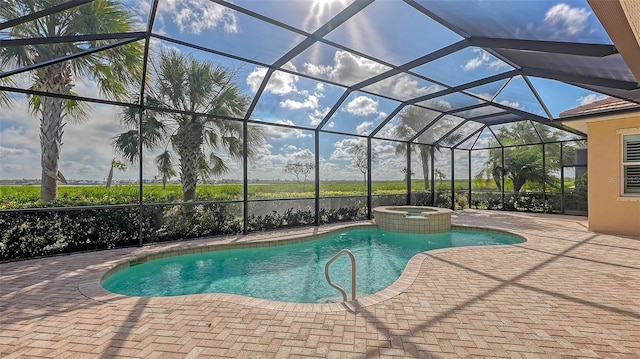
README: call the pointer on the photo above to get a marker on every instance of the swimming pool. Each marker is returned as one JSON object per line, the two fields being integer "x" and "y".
{"x": 292, "y": 272}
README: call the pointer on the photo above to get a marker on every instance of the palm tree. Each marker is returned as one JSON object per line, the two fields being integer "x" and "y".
{"x": 114, "y": 164}
{"x": 412, "y": 120}
{"x": 523, "y": 163}
{"x": 165, "y": 168}
{"x": 112, "y": 69}
{"x": 199, "y": 136}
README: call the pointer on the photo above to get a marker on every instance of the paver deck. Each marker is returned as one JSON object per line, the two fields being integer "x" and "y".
{"x": 566, "y": 292}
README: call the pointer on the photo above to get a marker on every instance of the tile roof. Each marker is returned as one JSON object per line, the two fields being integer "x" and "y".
{"x": 606, "y": 104}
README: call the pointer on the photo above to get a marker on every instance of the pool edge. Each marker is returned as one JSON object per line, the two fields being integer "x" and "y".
{"x": 92, "y": 287}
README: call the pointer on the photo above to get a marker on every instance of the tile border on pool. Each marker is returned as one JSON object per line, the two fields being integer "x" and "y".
{"x": 92, "y": 286}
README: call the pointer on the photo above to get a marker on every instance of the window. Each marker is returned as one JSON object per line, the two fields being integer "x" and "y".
{"x": 631, "y": 163}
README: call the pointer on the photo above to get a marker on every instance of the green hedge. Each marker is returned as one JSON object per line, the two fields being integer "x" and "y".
{"x": 32, "y": 234}
{"x": 27, "y": 234}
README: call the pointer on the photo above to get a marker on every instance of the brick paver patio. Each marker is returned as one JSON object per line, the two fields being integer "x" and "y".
{"x": 566, "y": 292}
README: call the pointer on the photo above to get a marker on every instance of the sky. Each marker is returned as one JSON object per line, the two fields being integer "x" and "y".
{"x": 292, "y": 99}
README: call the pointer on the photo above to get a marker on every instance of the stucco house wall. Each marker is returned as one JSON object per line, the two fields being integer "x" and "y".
{"x": 609, "y": 210}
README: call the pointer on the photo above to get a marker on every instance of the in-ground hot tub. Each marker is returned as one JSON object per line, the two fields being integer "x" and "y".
{"x": 413, "y": 219}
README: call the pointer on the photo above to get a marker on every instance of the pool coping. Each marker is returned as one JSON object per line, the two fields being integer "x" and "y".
{"x": 91, "y": 286}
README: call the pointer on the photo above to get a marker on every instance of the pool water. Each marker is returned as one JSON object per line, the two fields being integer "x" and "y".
{"x": 293, "y": 272}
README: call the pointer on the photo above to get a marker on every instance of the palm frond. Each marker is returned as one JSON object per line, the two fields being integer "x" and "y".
{"x": 127, "y": 145}
{"x": 218, "y": 165}
{"x": 164, "y": 163}
{"x": 205, "y": 171}
{"x": 130, "y": 117}
{"x": 256, "y": 139}
{"x": 5, "y": 99}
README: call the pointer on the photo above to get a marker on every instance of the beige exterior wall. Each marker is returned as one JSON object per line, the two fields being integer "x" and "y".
{"x": 609, "y": 211}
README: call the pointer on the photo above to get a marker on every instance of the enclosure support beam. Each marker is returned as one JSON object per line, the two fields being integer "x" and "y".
{"x": 369, "y": 178}
{"x": 408, "y": 174}
{"x": 453, "y": 180}
{"x": 433, "y": 177}
{"x": 581, "y": 79}
{"x": 554, "y": 47}
{"x": 317, "y": 178}
{"x": 544, "y": 177}
{"x": 502, "y": 177}
{"x": 469, "y": 204}
{"x": 245, "y": 178}
{"x": 140, "y": 176}
{"x": 143, "y": 83}
{"x": 46, "y": 12}
{"x": 67, "y": 57}
{"x": 561, "y": 179}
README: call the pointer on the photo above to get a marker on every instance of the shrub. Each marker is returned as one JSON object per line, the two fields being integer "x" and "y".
{"x": 30, "y": 234}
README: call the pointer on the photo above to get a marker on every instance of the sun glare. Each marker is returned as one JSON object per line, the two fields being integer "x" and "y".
{"x": 317, "y": 14}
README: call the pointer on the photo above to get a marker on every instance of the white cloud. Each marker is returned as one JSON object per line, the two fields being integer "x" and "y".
{"x": 484, "y": 95}
{"x": 194, "y": 16}
{"x": 473, "y": 64}
{"x": 277, "y": 132}
{"x": 347, "y": 68}
{"x": 402, "y": 87}
{"x": 513, "y": 104}
{"x": 569, "y": 20}
{"x": 316, "y": 70}
{"x": 483, "y": 58}
{"x": 87, "y": 147}
{"x": 311, "y": 103}
{"x": 592, "y": 97}
{"x": 389, "y": 130}
{"x": 387, "y": 167}
{"x": 362, "y": 106}
{"x": 289, "y": 66}
{"x": 385, "y": 150}
{"x": 264, "y": 149}
{"x": 14, "y": 153}
{"x": 21, "y": 137}
{"x": 364, "y": 128}
{"x": 280, "y": 83}
{"x": 342, "y": 149}
{"x": 303, "y": 155}
{"x": 268, "y": 165}
{"x": 318, "y": 115}
{"x": 351, "y": 69}
{"x": 328, "y": 167}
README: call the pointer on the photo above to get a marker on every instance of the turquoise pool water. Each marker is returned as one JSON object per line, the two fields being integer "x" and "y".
{"x": 293, "y": 272}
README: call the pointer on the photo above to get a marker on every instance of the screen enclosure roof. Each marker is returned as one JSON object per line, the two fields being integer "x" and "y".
{"x": 463, "y": 69}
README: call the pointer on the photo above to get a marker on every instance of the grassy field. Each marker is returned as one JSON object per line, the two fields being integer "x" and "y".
{"x": 28, "y": 196}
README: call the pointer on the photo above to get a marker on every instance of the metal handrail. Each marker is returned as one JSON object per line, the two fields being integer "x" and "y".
{"x": 353, "y": 274}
